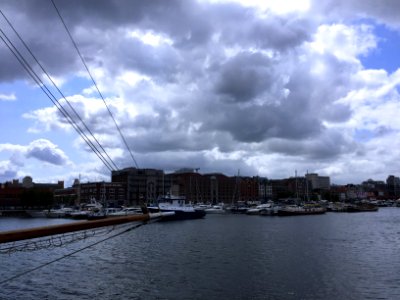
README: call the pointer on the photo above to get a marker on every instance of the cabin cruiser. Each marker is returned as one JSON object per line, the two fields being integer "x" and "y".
{"x": 215, "y": 209}
{"x": 126, "y": 211}
{"x": 176, "y": 204}
{"x": 91, "y": 208}
{"x": 257, "y": 210}
{"x": 63, "y": 212}
{"x": 297, "y": 210}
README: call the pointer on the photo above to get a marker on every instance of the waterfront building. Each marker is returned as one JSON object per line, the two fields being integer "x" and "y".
{"x": 318, "y": 182}
{"x": 393, "y": 186}
{"x": 375, "y": 189}
{"x": 27, "y": 194}
{"x": 142, "y": 185}
{"x": 111, "y": 194}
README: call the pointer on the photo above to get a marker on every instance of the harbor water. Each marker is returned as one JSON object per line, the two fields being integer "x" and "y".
{"x": 330, "y": 256}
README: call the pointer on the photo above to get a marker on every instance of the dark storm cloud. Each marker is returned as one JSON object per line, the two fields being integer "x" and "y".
{"x": 171, "y": 161}
{"x": 329, "y": 145}
{"x": 244, "y": 76}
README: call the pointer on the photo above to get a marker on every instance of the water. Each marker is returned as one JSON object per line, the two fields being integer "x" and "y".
{"x": 331, "y": 256}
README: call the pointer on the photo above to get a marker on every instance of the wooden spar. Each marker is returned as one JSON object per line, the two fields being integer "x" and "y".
{"x": 31, "y": 233}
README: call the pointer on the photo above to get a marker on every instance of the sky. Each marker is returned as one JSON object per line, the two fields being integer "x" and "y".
{"x": 260, "y": 88}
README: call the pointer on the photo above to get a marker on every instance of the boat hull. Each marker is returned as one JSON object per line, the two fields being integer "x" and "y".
{"x": 301, "y": 212}
{"x": 180, "y": 214}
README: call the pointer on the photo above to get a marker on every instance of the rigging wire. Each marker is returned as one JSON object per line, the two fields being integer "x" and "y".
{"x": 111, "y": 166}
{"x": 48, "y": 93}
{"x": 94, "y": 82}
{"x": 69, "y": 254}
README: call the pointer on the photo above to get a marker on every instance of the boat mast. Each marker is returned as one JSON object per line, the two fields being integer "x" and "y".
{"x": 308, "y": 196}
{"x": 297, "y": 188}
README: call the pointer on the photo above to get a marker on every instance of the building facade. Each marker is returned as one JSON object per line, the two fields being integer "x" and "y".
{"x": 319, "y": 182}
{"x": 28, "y": 194}
{"x": 142, "y": 185}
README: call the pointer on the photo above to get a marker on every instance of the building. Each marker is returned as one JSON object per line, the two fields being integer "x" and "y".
{"x": 28, "y": 194}
{"x": 142, "y": 185}
{"x": 319, "y": 182}
{"x": 375, "y": 189}
{"x": 110, "y": 194}
{"x": 393, "y": 186}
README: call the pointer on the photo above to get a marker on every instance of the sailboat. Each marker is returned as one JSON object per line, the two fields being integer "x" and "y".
{"x": 301, "y": 208}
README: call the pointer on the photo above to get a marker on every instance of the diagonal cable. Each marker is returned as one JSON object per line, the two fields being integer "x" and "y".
{"x": 94, "y": 82}
{"x": 48, "y": 93}
{"x": 63, "y": 96}
{"x": 52, "y": 98}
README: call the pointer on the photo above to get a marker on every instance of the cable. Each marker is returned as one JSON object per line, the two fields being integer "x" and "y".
{"x": 52, "y": 98}
{"x": 69, "y": 254}
{"x": 63, "y": 96}
{"x": 111, "y": 166}
{"x": 87, "y": 69}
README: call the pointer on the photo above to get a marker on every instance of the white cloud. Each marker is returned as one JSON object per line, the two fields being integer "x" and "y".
{"x": 264, "y": 86}
{"x": 8, "y": 97}
{"x": 343, "y": 41}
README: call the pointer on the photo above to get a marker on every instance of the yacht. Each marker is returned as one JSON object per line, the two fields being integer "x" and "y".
{"x": 126, "y": 211}
{"x": 176, "y": 204}
{"x": 299, "y": 210}
{"x": 215, "y": 209}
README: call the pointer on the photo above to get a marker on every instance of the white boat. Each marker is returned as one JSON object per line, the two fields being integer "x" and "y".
{"x": 126, "y": 211}
{"x": 257, "y": 210}
{"x": 215, "y": 209}
{"x": 271, "y": 210}
{"x": 63, "y": 212}
{"x": 88, "y": 209}
{"x": 298, "y": 210}
{"x": 182, "y": 211}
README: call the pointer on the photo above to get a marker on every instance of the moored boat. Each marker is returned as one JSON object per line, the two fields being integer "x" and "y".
{"x": 91, "y": 208}
{"x": 126, "y": 211}
{"x": 63, "y": 212}
{"x": 257, "y": 210}
{"x": 215, "y": 209}
{"x": 299, "y": 210}
{"x": 182, "y": 211}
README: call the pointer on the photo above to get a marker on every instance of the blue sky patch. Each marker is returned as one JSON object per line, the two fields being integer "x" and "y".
{"x": 387, "y": 54}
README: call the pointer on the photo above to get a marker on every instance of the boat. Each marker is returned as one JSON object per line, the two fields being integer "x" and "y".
{"x": 63, "y": 212}
{"x": 176, "y": 204}
{"x": 126, "y": 211}
{"x": 257, "y": 210}
{"x": 238, "y": 208}
{"x": 88, "y": 209}
{"x": 271, "y": 210}
{"x": 299, "y": 210}
{"x": 215, "y": 209}
{"x": 362, "y": 207}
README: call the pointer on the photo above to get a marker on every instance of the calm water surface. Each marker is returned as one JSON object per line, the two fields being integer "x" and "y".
{"x": 331, "y": 256}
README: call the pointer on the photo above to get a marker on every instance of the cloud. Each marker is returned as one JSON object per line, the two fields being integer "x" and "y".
{"x": 385, "y": 11}
{"x": 216, "y": 84}
{"x": 7, "y": 97}
{"x": 46, "y": 151}
{"x": 7, "y": 171}
{"x": 41, "y": 149}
